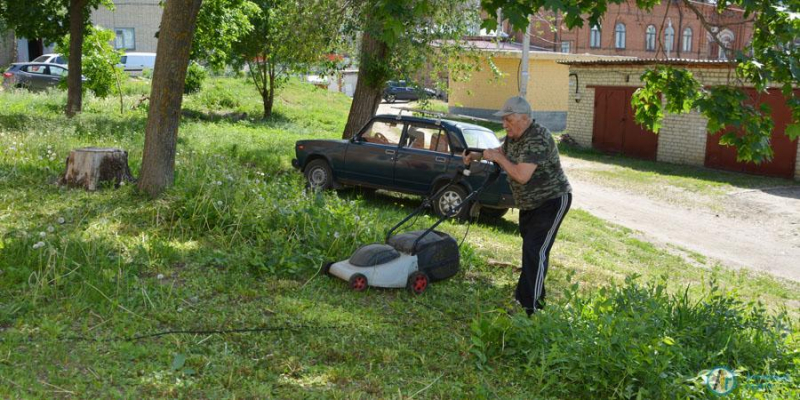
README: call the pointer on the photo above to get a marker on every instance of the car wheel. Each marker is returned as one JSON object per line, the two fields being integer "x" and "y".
{"x": 391, "y": 98}
{"x": 358, "y": 282}
{"x": 493, "y": 213}
{"x": 451, "y": 197}
{"x": 417, "y": 282}
{"x": 326, "y": 268}
{"x": 319, "y": 175}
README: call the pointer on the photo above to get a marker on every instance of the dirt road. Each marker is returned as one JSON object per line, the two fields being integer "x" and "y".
{"x": 755, "y": 229}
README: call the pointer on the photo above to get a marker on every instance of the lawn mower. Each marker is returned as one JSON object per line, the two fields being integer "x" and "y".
{"x": 411, "y": 259}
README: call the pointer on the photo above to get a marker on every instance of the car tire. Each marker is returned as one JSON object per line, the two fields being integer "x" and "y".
{"x": 493, "y": 213}
{"x": 417, "y": 282}
{"x": 358, "y": 282}
{"x": 319, "y": 175}
{"x": 449, "y": 198}
{"x": 390, "y": 98}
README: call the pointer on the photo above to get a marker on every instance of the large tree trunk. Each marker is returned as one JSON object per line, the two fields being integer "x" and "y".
{"x": 166, "y": 95}
{"x": 367, "y": 96}
{"x": 74, "y": 83}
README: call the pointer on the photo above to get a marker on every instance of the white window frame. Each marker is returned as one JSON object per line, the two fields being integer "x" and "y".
{"x": 566, "y": 46}
{"x": 686, "y": 41}
{"x": 650, "y": 38}
{"x": 120, "y": 42}
{"x": 619, "y": 36}
{"x": 595, "y": 35}
{"x": 669, "y": 38}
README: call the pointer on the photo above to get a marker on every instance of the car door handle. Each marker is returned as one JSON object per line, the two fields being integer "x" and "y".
{"x": 440, "y": 159}
{"x": 390, "y": 152}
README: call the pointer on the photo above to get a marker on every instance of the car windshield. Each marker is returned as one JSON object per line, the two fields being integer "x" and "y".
{"x": 480, "y": 139}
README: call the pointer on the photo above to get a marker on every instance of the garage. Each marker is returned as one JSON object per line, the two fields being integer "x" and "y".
{"x": 615, "y": 129}
{"x": 785, "y": 150}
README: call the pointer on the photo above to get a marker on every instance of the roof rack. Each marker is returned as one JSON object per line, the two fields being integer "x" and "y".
{"x": 439, "y": 115}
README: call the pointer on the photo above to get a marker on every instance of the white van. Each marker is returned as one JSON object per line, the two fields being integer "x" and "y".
{"x": 135, "y": 63}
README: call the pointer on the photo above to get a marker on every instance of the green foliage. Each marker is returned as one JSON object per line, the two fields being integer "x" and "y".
{"x": 286, "y": 38}
{"x": 99, "y": 61}
{"x": 771, "y": 60}
{"x": 195, "y": 76}
{"x": 638, "y": 341}
{"x": 220, "y": 24}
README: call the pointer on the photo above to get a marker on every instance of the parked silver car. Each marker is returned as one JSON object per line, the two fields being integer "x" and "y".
{"x": 34, "y": 76}
{"x": 51, "y": 58}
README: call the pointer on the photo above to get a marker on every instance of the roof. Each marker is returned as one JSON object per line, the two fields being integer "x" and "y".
{"x": 436, "y": 121}
{"x": 650, "y": 61}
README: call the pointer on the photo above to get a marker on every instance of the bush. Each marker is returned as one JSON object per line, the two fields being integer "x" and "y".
{"x": 219, "y": 97}
{"x": 638, "y": 341}
{"x": 98, "y": 61}
{"x": 195, "y": 76}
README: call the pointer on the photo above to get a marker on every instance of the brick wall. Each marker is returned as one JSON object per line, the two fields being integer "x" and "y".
{"x": 683, "y": 137}
{"x": 144, "y": 16}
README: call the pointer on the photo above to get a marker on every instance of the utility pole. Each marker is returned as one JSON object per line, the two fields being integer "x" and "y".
{"x": 526, "y": 46}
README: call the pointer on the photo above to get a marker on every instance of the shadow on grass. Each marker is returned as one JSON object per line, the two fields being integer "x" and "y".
{"x": 683, "y": 171}
{"x": 86, "y": 126}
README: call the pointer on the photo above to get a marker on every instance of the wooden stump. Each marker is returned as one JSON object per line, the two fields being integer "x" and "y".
{"x": 90, "y": 166}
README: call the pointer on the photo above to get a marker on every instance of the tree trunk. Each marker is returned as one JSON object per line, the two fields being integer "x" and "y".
{"x": 166, "y": 95}
{"x": 367, "y": 96}
{"x": 88, "y": 167}
{"x": 74, "y": 83}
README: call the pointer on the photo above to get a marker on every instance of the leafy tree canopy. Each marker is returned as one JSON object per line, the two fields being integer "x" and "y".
{"x": 47, "y": 20}
{"x": 772, "y": 60}
{"x": 220, "y": 24}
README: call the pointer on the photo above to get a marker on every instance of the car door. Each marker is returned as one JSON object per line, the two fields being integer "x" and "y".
{"x": 424, "y": 155}
{"x": 370, "y": 157}
{"x": 53, "y": 75}
{"x": 34, "y": 77}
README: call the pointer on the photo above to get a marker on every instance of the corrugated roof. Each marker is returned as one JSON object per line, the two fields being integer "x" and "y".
{"x": 649, "y": 61}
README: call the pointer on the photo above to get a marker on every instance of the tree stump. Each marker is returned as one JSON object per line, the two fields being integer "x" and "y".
{"x": 90, "y": 166}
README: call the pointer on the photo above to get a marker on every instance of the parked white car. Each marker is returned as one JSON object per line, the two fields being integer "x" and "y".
{"x": 51, "y": 59}
{"x": 135, "y": 63}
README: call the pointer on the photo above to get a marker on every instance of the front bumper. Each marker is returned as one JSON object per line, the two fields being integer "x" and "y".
{"x": 295, "y": 163}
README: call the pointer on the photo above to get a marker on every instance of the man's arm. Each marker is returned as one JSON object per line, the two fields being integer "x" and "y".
{"x": 520, "y": 173}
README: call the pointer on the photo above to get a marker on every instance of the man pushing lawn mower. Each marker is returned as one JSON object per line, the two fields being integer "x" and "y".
{"x": 541, "y": 191}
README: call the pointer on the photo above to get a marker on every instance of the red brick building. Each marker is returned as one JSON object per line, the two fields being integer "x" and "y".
{"x": 670, "y": 30}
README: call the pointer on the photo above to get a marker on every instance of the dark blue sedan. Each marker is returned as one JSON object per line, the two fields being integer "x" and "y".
{"x": 409, "y": 155}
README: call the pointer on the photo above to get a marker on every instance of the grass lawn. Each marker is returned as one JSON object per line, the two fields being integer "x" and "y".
{"x": 212, "y": 290}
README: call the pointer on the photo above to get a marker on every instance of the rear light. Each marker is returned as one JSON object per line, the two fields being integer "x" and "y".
{"x": 7, "y": 74}
{"x": 301, "y": 147}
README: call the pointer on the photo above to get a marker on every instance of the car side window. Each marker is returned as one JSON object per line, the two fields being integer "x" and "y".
{"x": 426, "y": 138}
{"x": 34, "y": 69}
{"x": 56, "y": 71}
{"x": 383, "y": 132}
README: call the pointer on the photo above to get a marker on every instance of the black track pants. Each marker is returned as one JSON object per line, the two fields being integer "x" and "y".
{"x": 538, "y": 228}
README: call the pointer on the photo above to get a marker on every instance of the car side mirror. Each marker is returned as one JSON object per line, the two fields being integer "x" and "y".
{"x": 355, "y": 139}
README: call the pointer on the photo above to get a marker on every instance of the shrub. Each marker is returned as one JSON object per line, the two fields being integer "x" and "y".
{"x": 99, "y": 61}
{"x": 637, "y": 341}
{"x": 195, "y": 76}
{"x": 219, "y": 97}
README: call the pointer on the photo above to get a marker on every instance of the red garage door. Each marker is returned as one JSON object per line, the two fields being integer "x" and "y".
{"x": 785, "y": 150}
{"x": 614, "y": 127}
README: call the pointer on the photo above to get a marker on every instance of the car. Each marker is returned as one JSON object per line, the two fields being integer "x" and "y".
{"x": 401, "y": 90}
{"x": 407, "y": 154}
{"x": 52, "y": 58}
{"x": 135, "y": 63}
{"x": 34, "y": 76}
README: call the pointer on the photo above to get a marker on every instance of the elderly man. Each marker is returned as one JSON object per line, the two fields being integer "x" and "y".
{"x": 541, "y": 191}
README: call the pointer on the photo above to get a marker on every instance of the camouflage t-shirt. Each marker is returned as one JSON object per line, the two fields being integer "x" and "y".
{"x": 536, "y": 146}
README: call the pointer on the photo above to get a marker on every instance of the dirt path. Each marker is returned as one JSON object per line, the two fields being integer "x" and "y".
{"x": 756, "y": 229}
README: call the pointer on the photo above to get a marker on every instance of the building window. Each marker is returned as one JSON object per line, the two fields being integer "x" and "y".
{"x": 619, "y": 36}
{"x": 594, "y": 38}
{"x": 565, "y": 47}
{"x": 650, "y": 38}
{"x": 726, "y": 38}
{"x": 687, "y": 40}
{"x": 669, "y": 39}
{"x": 125, "y": 39}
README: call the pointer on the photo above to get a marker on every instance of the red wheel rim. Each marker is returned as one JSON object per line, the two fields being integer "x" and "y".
{"x": 359, "y": 283}
{"x": 420, "y": 283}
